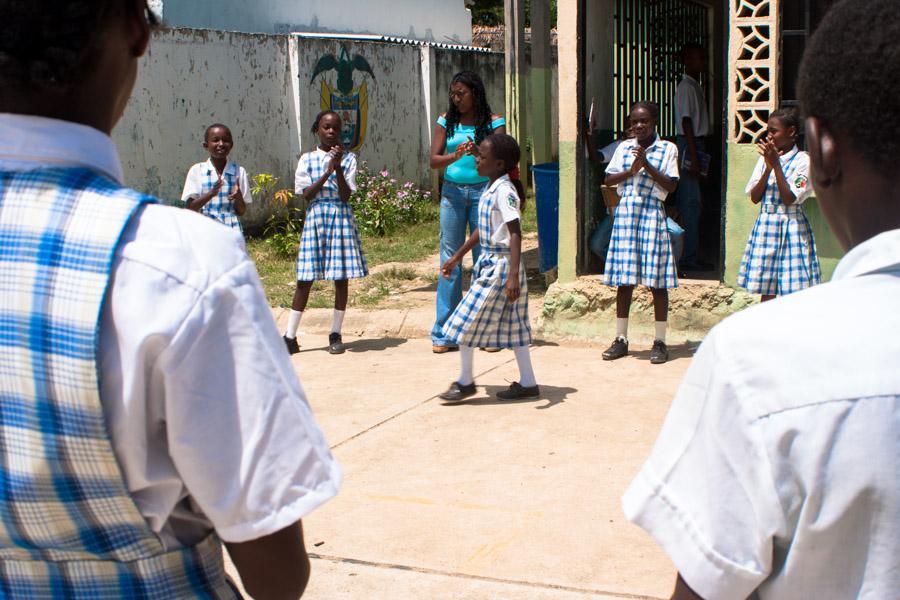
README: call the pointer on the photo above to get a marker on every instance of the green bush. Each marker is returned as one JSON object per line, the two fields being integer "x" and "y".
{"x": 283, "y": 228}
{"x": 381, "y": 204}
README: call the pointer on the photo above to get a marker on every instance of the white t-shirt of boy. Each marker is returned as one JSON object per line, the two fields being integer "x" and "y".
{"x": 506, "y": 209}
{"x": 198, "y": 173}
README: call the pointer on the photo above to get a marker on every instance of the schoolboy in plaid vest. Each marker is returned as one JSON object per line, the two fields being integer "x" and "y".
{"x": 147, "y": 411}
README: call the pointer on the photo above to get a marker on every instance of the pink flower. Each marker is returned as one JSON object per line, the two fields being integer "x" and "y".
{"x": 385, "y": 173}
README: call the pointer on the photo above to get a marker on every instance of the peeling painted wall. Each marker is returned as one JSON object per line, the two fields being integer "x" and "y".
{"x": 190, "y": 79}
{"x": 427, "y": 20}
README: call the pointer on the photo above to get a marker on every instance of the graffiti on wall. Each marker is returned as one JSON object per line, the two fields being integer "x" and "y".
{"x": 340, "y": 95}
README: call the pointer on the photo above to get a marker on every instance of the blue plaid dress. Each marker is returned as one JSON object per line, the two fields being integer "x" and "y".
{"x": 640, "y": 251}
{"x": 221, "y": 207}
{"x": 780, "y": 257}
{"x": 68, "y": 527}
{"x": 330, "y": 248}
{"x": 485, "y": 317}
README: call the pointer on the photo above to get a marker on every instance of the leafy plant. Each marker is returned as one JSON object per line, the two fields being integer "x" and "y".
{"x": 283, "y": 228}
{"x": 381, "y": 204}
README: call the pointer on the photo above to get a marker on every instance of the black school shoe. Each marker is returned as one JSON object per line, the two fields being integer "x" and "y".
{"x": 293, "y": 346}
{"x": 457, "y": 392}
{"x": 515, "y": 392}
{"x": 618, "y": 349}
{"x": 659, "y": 353}
{"x": 335, "y": 344}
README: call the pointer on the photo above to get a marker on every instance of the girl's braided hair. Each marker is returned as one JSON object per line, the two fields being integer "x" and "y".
{"x": 482, "y": 108}
{"x": 505, "y": 147}
{"x": 54, "y": 42}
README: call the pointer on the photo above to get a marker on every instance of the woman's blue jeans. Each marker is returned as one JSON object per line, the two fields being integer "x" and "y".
{"x": 459, "y": 211}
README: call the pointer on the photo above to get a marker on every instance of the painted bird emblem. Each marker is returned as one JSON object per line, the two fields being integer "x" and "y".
{"x": 344, "y": 67}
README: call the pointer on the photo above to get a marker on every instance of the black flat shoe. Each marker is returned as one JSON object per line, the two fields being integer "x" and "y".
{"x": 618, "y": 349}
{"x": 335, "y": 344}
{"x": 293, "y": 346}
{"x": 659, "y": 353}
{"x": 516, "y": 392}
{"x": 457, "y": 392}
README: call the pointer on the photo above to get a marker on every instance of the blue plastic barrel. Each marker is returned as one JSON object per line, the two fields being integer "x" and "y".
{"x": 546, "y": 194}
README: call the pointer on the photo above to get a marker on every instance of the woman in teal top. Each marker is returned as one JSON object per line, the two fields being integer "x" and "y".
{"x": 454, "y": 145}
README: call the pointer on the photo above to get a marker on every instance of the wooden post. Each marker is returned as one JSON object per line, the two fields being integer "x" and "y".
{"x": 541, "y": 73}
{"x": 514, "y": 13}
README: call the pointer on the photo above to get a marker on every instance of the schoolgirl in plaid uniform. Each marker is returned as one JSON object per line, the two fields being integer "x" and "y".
{"x": 330, "y": 248}
{"x": 645, "y": 168}
{"x": 115, "y": 315}
{"x": 780, "y": 257}
{"x": 218, "y": 188}
{"x": 494, "y": 312}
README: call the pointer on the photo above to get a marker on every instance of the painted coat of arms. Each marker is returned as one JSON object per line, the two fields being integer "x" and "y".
{"x": 351, "y": 103}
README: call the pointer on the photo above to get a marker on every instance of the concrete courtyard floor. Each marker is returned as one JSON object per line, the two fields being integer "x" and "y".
{"x": 484, "y": 499}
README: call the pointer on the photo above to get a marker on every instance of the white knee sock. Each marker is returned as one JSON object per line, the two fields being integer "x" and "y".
{"x": 338, "y": 321}
{"x": 466, "y": 363}
{"x": 622, "y": 328}
{"x": 661, "y": 330}
{"x": 293, "y": 324}
{"x": 526, "y": 372}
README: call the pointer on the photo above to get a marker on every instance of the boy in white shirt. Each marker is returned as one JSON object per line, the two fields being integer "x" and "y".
{"x": 776, "y": 472}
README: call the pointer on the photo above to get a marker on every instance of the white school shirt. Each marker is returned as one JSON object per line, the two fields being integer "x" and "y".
{"x": 312, "y": 165}
{"x": 197, "y": 175}
{"x": 795, "y": 164}
{"x": 690, "y": 101}
{"x": 778, "y": 467}
{"x": 208, "y": 420}
{"x": 606, "y": 153}
{"x": 506, "y": 208}
{"x": 622, "y": 156}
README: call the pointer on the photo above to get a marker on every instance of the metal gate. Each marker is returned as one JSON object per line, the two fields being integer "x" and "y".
{"x": 649, "y": 38}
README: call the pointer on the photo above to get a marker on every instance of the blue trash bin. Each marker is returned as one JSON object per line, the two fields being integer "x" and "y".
{"x": 546, "y": 194}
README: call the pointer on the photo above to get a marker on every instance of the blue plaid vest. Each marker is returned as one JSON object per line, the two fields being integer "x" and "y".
{"x": 68, "y": 527}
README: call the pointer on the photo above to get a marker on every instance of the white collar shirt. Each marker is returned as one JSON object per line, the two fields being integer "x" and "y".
{"x": 207, "y": 418}
{"x": 505, "y": 209}
{"x": 690, "y": 101}
{"x": 777, "y": 471}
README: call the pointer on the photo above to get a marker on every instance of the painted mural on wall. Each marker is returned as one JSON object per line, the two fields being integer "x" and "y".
{"x": 340, "y": 95}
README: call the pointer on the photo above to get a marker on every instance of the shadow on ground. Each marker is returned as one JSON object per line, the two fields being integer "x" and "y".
{"x": 550, "y": 394}
{"x": 374, "y": 344}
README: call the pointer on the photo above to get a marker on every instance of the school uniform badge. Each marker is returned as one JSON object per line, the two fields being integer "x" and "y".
{"x": 801, "y": 181}
{"x": 512, "y": 200}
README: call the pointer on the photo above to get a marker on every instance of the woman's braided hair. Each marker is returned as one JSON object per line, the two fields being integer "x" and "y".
{"x": 53, "y": 42}
{"x": 483, "y": 112}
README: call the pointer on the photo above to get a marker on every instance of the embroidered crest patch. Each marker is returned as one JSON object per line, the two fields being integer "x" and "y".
{"x": 512, "y": 200}
{"x": 801, "y": 181}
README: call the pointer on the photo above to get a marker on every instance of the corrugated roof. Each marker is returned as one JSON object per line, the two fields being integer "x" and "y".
{"x": 389, "y": 39}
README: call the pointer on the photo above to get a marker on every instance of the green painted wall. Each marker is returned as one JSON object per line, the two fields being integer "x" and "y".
{"x": 568, "y": 212}
{"x": 741, "y": 213}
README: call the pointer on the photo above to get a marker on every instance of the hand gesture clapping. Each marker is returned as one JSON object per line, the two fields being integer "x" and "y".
{"x": 769, "y": 152}
{"x": 640, "y": 159}
{"x": 334, "y": 158}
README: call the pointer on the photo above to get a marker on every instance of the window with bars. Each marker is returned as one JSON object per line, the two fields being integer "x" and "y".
{"x": 649, "y": 37}
{"x": 799, "y": 18}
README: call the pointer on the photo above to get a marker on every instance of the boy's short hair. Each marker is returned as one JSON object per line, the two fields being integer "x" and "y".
{"x": 215, "y": 126}
{"x": 850, "y": 78}
{"x": 53, "y": 42}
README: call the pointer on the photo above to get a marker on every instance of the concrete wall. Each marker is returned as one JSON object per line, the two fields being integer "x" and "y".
{"x": 190, "y": 79}
{"x": 427, "y": 20}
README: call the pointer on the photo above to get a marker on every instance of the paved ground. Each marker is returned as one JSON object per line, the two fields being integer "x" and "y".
{"x": 486, "y": 499}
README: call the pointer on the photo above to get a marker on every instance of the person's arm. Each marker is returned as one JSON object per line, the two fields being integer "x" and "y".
{"x": 756, "y": 186}
{"x": 450, "y": 263}
{"x": 343, "y": 187}
{"x": 439, "y": 160}
{"x": 192, "y": 196}
{"x": 667, "y": 183}
{"x": 273, "y": 567}
{"x": 683, "y": 591}
{"x": 513, "y": 288}
{"x": 687, "y": 125}
{"x": 237, "y": 196}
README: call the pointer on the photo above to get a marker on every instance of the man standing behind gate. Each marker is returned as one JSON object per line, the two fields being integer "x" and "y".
{"x": 692, "y": 127}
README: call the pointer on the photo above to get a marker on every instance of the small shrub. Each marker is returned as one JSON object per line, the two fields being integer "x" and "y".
{"x": 283, "y": 228}
{"x": 381, "y": 204}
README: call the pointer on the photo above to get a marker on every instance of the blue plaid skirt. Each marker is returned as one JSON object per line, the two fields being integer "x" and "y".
{"x": 330, "y": 247}
{"x": 640, "y": 251}
{"x": 780, "y": 257}
{"x": 485, "y": 318}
